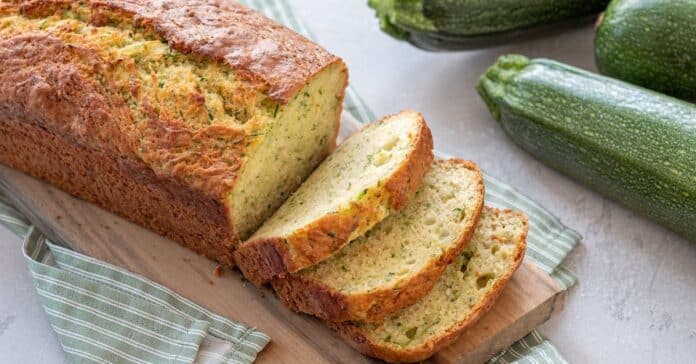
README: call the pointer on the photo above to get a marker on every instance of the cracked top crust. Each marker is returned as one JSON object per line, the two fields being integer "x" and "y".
{"x": 257, "y": 48}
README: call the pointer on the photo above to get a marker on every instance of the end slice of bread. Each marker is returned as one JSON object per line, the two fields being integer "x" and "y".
{"x": 397, "y": 262}
{"x": 466, "y": 291}
{"x": 371, "y": 174}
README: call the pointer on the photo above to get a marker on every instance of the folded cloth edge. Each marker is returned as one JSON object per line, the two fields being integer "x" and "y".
{"x": 97, "y": 313}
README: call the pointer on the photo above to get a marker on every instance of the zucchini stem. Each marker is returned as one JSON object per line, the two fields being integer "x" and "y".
{"x": 491, "y": 85}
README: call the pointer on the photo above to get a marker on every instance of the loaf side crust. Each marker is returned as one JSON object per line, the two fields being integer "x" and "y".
{"x": 355, "y": 338}
{"x": 306, "y": 295}
{"x": 62, "y": 127}
{"x": 122, "y": 186}
{"x": 263, "y": 260}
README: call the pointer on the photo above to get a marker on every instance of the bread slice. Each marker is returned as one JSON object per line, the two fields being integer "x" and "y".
{"x": 397, "y": 262}
{"x": 372, "y": 173}
{"x": 466, "y": 290}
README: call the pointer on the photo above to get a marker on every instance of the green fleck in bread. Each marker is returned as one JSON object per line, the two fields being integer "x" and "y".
{"x": 397, "y": 262}
{"x": 466, "y": 290}
{"x": 194, "y": 118}
{"x": 371, "y": 174}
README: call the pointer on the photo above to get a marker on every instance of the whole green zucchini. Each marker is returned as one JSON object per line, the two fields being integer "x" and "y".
{"x": 651, "y": 43}
{"x": 464, "y": 24}
{"x": 633, "y": 145}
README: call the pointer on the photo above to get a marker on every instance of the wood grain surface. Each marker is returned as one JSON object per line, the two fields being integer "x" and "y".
{"x": 529, "y": 299}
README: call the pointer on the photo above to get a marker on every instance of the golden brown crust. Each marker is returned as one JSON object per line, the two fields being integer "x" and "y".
{"x": 314, "y": 297}
{"x": 8, "y": 8}
{"x": 49, "y": 83}
{"x": 408, "y": 178}
{"x": 63, "y": 92}
{"x": 47, "y": 86}
{"x": 122, "y": 186}
{"x": 355, "y": 337}
{"x": 262, "y": 260}
{"x": 257, "y": 48}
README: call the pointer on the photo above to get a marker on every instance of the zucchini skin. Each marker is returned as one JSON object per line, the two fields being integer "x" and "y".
{"x": 477, "y": 17}
{"x": 466, "y": 24}
{"x": 442, "y": 42}
{"x": 633, "y": 145}
{"x": 651, "y": 43}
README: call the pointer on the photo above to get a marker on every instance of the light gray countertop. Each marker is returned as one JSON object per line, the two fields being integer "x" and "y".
{"x": 636, "y": 299}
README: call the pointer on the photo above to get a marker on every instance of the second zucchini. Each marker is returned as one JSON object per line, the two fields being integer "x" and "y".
{"x": 651, "y": 43}
{"x": 631, "y": 144}
{"x": 465, "y": 24}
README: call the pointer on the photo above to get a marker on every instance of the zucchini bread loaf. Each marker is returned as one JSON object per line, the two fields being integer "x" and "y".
{"x": 194, "y": 118}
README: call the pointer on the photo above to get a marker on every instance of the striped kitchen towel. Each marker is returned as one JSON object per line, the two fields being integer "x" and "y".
{"x": 104, "y": 314}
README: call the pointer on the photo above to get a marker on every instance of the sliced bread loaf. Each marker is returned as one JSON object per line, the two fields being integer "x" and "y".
{"x": 466, "y": 290}
{"x": 194, "y": 118}
{"x": 373, "y": 172}
{"x": 400, "y": 259}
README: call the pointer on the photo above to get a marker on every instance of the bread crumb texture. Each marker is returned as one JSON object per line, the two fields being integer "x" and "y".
{"x": 407, "y": 242}
{"x": 493, "y": 252}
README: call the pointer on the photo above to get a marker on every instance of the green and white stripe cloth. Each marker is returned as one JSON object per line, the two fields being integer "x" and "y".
{"x": 532, "y": 349}
{"x": 104, "y": 314}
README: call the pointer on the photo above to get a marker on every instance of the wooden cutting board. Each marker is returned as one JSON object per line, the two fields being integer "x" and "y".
{"x": 529, "y": 299}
